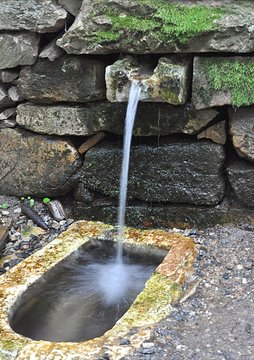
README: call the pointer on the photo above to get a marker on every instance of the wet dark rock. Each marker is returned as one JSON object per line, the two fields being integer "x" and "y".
{"x": 68, "y": 78}
{"x": 36, "y": 165}
{"x": 18, "y": 48}
{"x": 176, "y": 172}
{"x": 241, "y": 178}
{"x": 32, "y": 15}
{"x": 32, "y": 214}
{"x": 152, "y": 119}
{"x": 242, "y": 131}
{"x": 154, "y": 215}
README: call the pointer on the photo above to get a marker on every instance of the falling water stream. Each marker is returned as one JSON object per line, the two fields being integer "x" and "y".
{"x": 84, "y": 296}
{"x": 129, "y": 123}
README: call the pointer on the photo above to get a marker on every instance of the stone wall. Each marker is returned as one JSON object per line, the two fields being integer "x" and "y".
{"x": 65, "y": 73}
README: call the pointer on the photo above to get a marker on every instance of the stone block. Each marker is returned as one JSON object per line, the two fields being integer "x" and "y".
{"x": 72, "y": 6}
{"x": 152, "y": 119}
{"x": 168, "y": 82}
{"x": 8, "y": 75}
{"x": 33, "y": 15}
{"x": 18, "y": 49}
{"x": 143, "y": 27}
{"x": 242, "y": 131}
{"x": 68, "y": 78}
{"x": 216, "y": 133}
{"x": 175, "y": 172}
{"x": 241, "y": 178}
{"x": 35, "y": 164}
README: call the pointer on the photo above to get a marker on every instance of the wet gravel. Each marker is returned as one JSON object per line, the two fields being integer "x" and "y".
{"x": 217, "y": 321}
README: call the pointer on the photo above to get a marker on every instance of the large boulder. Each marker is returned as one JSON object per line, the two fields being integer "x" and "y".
{"x": 168, "y": 82}
{"x": 220, "y": 81}
{"x": 18, "y": 49}
{"x": 68, "y": 78}
{"x": 175, "y": 172}
{"x": 242, "y": 131}
{"x": 33, "y": 15}
{"x": 36, "y": 164}
{"x": 151, "y": 120}
{"x": 135, "y": 26}
{"x": 241, "y": 178}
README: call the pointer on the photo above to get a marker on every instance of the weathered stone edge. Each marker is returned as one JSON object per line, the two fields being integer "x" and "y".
{"x": 167, "y": 279}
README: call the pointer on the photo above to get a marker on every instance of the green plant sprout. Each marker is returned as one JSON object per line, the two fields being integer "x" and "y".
{"x": 29, "y": 199}
{"x": 4, "y": 205}
{"x": 46, "y": 200}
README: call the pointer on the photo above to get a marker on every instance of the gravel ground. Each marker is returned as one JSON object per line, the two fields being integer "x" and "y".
{"x": 215, "y": 322}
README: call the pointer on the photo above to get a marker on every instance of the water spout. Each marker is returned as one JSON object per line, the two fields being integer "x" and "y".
{"x": 129, "y": 123}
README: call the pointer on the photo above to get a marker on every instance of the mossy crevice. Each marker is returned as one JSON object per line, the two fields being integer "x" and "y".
{"x": 232, "y": 75}
{"x": 165, "y": 22}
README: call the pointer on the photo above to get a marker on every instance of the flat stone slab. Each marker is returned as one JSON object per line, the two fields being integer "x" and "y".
{"x": 175, "y": 172}
{"x": 35, "y": 164}
{"x": 33, "y": 15}
{"x": 151, "y": 120}
{"x": 221, "y": 81}
{"x": 241, "y": 178}
{"x": 242, "y": 131}
{"x": 18, "y": 49}
{"x": 151, "y": 305}
{"x": 68, "y": 78}
{"x": 161, "y": 27}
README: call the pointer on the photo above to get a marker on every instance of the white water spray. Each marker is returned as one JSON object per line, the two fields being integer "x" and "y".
{"x": 129, "y": 123}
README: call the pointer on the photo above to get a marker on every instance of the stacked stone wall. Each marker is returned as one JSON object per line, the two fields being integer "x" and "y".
{"x": 65, "y": 74}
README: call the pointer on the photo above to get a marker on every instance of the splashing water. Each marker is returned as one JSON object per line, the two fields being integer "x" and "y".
{"x": 129, "y": 123}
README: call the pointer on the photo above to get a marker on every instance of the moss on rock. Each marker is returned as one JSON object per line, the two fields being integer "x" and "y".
{"x": 169, "y": 22}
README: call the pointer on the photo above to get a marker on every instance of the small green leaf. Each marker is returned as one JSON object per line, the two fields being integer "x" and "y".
{"x": 31, "y": 202}
{"x": 4, "y": 205}
{"x": 46, "y": 200}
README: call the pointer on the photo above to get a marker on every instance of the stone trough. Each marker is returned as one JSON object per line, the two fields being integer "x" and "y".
{"x": 154, "y": 303}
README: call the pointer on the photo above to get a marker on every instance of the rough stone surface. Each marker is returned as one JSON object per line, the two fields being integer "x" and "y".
{"x": 175, "y": 172}
{"x": 221, "y": 81}
{"x": 68, "y": 78}
{"x": 18, "y": 49}
{"x": 152, "y": 215}
{"x": 168, "y": 82}
{"x": 35, "y": 164}
{"x": 72, "y": 6}
{"x": 6, "y": 114}
{"x": 152, "y": 119}
{"x": 147, "y": 25}
{"x": 32, "y": 15}
{"x": 52, "y": 51}
{"x": 242, "y": 131}
{"x": 5, "y": 101}
{"x": 10, "y": 123}
{"x": 14, "y": 94}
{"x": 216, "y": 133}
{"x": 241, "y": 178}
{"x": 8, "y": 75}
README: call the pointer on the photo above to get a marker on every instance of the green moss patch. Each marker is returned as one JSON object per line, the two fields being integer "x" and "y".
{"x": 171, "y": 23}
{"x": 234, "y": 75}
{"x": 155, "y": 302}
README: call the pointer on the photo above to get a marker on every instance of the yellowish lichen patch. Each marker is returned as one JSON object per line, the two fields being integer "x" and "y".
{"x": 152, "y": 305}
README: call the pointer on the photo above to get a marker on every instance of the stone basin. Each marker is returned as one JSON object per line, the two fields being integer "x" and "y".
{"x": 153, "y": 304}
